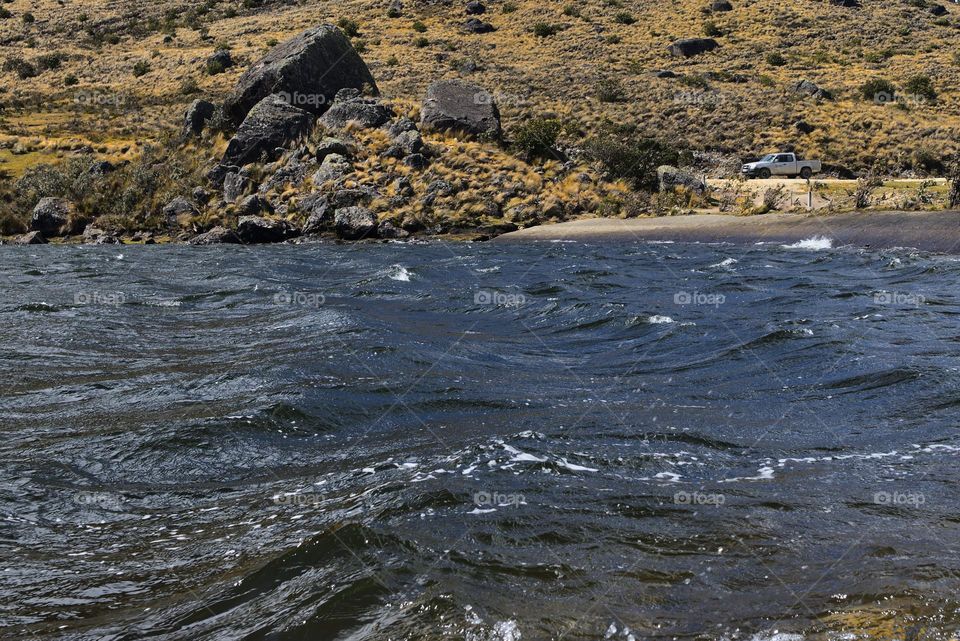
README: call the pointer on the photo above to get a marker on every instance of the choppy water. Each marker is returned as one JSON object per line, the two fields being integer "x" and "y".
{"x": 479, "y": 442}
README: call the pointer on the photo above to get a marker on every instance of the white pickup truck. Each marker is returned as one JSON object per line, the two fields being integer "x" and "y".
{"x": 785, "y": 164}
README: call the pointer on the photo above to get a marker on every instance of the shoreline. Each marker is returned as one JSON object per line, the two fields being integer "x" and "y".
{"x": 937, "y": 231}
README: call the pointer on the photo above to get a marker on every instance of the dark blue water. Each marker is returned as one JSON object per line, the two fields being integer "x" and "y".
{"x": 454, "y": 441}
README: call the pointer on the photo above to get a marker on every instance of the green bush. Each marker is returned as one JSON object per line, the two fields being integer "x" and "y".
{"x": 421, "y": 42}
{"x": 537, "y": 137}
{"x": 141, "y": 68}
{"x": 624, "y": 17}
{"x": 610, "y": 90}
{"x": 509, "y": 7}
{"x": 70, "y": 80}
{"x": 28, "y": 18}
{"x": 349, "y": 27}
{"x": 878, "y": 90}
{"x": 711, "y": 29}
{"x": 633, "y": 158}
{"x": 419, "y": 27}
{"x": 920, "y": 86}
{"x": 776, "y": 59}
{"x": 545, "y": 30}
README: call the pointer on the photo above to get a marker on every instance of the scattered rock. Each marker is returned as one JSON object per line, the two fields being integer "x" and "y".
{"x": 808, "y": 88}
{"x": 30, "y": 238}
{"x": 938, "y": 10}
{"x": 401, "y": 126}
{"x": 441, "y": 188}
{"x": 96, "y": 236}
{"x": 803, "y": 126}
{"x": 201, "y": 196}
{"x": 253, "y": 205}
{"x": 294, "y": 173}
{"x": 256, "y": 229}
{"x": 403, "y": 187}
{"x": 456, "y": 105}
{"x": 416, "y": 161}
{"x": 308, "y": 70}
{"x": 350, "y": 107}
{"x": 343, "y": 198}
{"x": 270, "y": 125}
{"x": 319, "y": 213}
{"x": 719, "y": 6}
{"x": 101, "y": 168}
{"x": 389, "y": 230}
{"x": 220, "y": 58}
{"x": 235, "y": 185}
{"x": 198, "y": 113}
{"x": 355, "y": 223}
{"x": 329, "y": 146}
{"x": 670, "y": 177}
{"x": 51, "y": 217}
{"x": 178, "y": 210}
{"x": 216, "y": 236}
{"x": 409, "y": 142}
{"x": 476, "y": 25}
{"x": 665, "y": 73}
{"x": 475, "y": 8}
{"x": 852, "y": 4}
{"x": 690, "y": 47}
{"x": 333, "y": 167}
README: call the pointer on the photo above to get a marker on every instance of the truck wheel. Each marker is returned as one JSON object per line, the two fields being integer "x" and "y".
{"x": 764, "y": 173}
{"x": 805, "y": 173}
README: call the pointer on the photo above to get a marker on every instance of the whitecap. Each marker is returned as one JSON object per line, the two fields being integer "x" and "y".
{"x": 657, "y": 319}
{"x": 726, "y": 262}
{"x": 399, "y": 272}
{"x": 814, "y": 243}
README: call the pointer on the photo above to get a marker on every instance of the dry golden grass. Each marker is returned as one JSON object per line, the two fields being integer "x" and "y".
{"x": 731, "y": 100}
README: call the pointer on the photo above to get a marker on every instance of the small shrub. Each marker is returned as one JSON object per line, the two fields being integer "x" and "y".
{"x": 349, "y": 27}
{"x": 421, "y": 42}
{"x": 624, "y": 17}
{"x": 5, "y": 13}
{"x": 920, "y": 86}
{"x": 545, "y": 30}
{"x": 537, "y": 137}
{"x": 571, "y": 11}
{"x": 610, "y": 90}
{"x": 272, "y": 42}
{"x": 189, "y": 86}
{"x": 141, "y": 68}
{"x": 22, "y": 68}
{"x": 776, "y": 59}
{"x": 711, "y": 29}
{"x": 877, "y": 90}
{"x": 214, "y": 67}
{"x": 419, "y": 27}
{"x": 632, "y": 158}
{"x": 70, "y": 80}
{"x": 509, "y": 7}
{"x": 28, "y": 18}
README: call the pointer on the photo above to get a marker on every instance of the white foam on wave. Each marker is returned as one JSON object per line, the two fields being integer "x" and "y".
{"x": 726, "y": 262}
{"x": 814, "y": 243}
{"x": 657, "y": 319}
{"x": 399, "y": 272}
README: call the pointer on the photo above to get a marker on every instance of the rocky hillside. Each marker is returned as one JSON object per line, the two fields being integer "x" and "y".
{"x": 584, "y": 93}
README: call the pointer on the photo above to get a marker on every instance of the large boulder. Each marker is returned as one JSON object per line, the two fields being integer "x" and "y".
{"x": 476, "y": 25}
{"x": 256, "y": 229}
{"x": 355, "y": 223}
{"x": 670, "y": 178}
{"x": 409, "y": 142}
{"x": 690, "y": 47}
{"x": 319, "y": 213}
{"x": 271, "y": 124}
{"x": 456, "y": 105}
{"x": 216, "y": 236}
{"x": 51, "y": 217}
{"x": 199, "y": 112}
{"x": 351, "y": 107}
{"x": 719, "y": 6}
{"x": 308, "y": 70}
